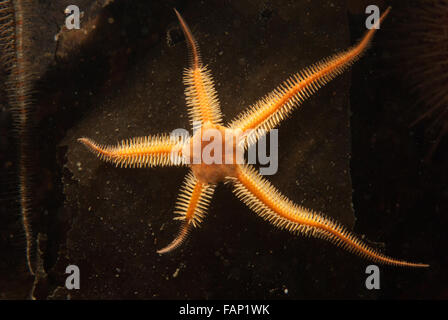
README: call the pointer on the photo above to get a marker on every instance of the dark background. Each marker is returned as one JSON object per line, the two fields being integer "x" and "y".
{"x": 399, "y": 195}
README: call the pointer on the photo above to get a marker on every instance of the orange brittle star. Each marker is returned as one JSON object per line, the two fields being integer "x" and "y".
{"x": 249, "y": 186}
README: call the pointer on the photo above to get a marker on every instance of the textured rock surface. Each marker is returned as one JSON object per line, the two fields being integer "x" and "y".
{"x": 121, "y": 216}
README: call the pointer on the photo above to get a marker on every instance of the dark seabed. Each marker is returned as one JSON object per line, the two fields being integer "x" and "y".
{"x": 124, "y": 79}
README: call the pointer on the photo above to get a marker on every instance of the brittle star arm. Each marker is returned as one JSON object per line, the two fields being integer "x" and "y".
{"x": 266, "y": 201}
{"x": 200, "y": 92}
{"x": 191, "y": 207}
{"x": 268, "y": 112}
{"x": 149, "y": 151}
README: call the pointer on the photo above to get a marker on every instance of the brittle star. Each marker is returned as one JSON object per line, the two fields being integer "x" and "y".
{"x": 248, "y": 185}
